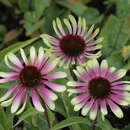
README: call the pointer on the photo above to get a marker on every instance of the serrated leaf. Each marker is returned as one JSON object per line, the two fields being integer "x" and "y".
{"x": 15, "y": 47}
{"x": 70, "y": 121}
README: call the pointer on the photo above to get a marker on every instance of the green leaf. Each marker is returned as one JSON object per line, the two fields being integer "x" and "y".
{"x": 115, "y": 59}
{"x": 114, "y": 35}
{"x": 39, "y": 6}
{"x": 70, "y": 121}
{"x": 78, "y": 9}
{"x": 123, "y": 8}
{"x": 35, "y": 27}
{"x": 28, "y": 113}
{"x": 15, "y": 47}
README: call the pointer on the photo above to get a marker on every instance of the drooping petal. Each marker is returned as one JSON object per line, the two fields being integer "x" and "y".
{"x": 103, "y": 107}
{"x": 49, "y": 102}
{"x": 93, "y": 111}
{"x": 16, "y": 101}
{"x": 9, "y": 92}
{"x": 87, "y": 107}
{"x": 24, "y": 104}
{"x": 36, "y": 102}
{"x": 115, "y": 109}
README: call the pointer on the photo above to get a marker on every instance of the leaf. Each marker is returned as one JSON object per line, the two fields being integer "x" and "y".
{"x": 26, "y": 114}
{"x": 92, "y": 15}
{"x": 70, "y": 121}
{"x": 123, "y": 8}
{"x": 39, "y": 6}
{"x": 35, "y": 27}
{"x": 78, "y": 9}
{"x": 114, "y": 35}
{"x": 115, "y": 59}
{"x": 15, "y": 47}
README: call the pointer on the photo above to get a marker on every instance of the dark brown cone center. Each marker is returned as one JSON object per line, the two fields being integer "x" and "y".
{"x": 99, "y": 88}
{"x": 30, "y": 76}
{"x": 72, "y": 45}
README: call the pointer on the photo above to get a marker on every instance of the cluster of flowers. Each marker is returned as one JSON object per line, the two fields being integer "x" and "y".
{"x": 96, "y": 88}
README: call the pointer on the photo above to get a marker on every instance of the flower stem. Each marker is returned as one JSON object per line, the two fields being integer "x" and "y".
{"x": 94, "y": 124}
{"x": 46, "y": 115}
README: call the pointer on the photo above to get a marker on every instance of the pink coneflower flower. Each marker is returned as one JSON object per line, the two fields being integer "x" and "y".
{"x": 76, "y": 44}
{"x": 34, "y": 77}
{"x": 99, "y": 88}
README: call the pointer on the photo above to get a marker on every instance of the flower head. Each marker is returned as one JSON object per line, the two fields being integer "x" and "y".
{"x": 76, "y": 44}
{"x": 33, "y": 76}
{"x": 99, "y": 87}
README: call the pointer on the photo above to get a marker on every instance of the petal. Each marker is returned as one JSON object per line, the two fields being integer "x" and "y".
{"x": 49, "y": 66}
{"x": 16, "y": 101}
{"x": 56, "y": 75}
{"x": 24, "y": 104}
{"x": 47, "y": 92}
{"x": 103, "y": 107}
{"x": 32, "y": 55}
{"x": 95, "y": 67}
{"x": 24, "y": 56}
{"x": 77, "y": 107}
{"x": 118, "y": 100}
{"x": 117, "y": 75}
{"x": 11, "y": 67}
{"x": 8, "y": 75}
{"x": 74, "y": 23}
{"x": 36, "y": 102}
{"x": 115, "y": 109}
{"x": 93, "y": 112}
{"x": 78, "y": 99}
{"x": 55, "y": 87}
{"x": 76, "y": 84}
{"x": 79, "y": 26}
{"x": 87, "y": 107}
{"x": 67, "y": 23}
{"x": 55, "y": 28}
{"x": 83, "y": 27}
{"x": 40, "y": 57}
{"x": 50, "y": 103}
{"x": 15, "y": 60}
{"x": 60, "y": 26}
{"x": 89, "y": 32}
{"x": 10, "y": 91}
{"x": 104, "y": 68}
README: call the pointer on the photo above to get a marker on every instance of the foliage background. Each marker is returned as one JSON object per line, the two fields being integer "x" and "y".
{"x": 21, "y": 23}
